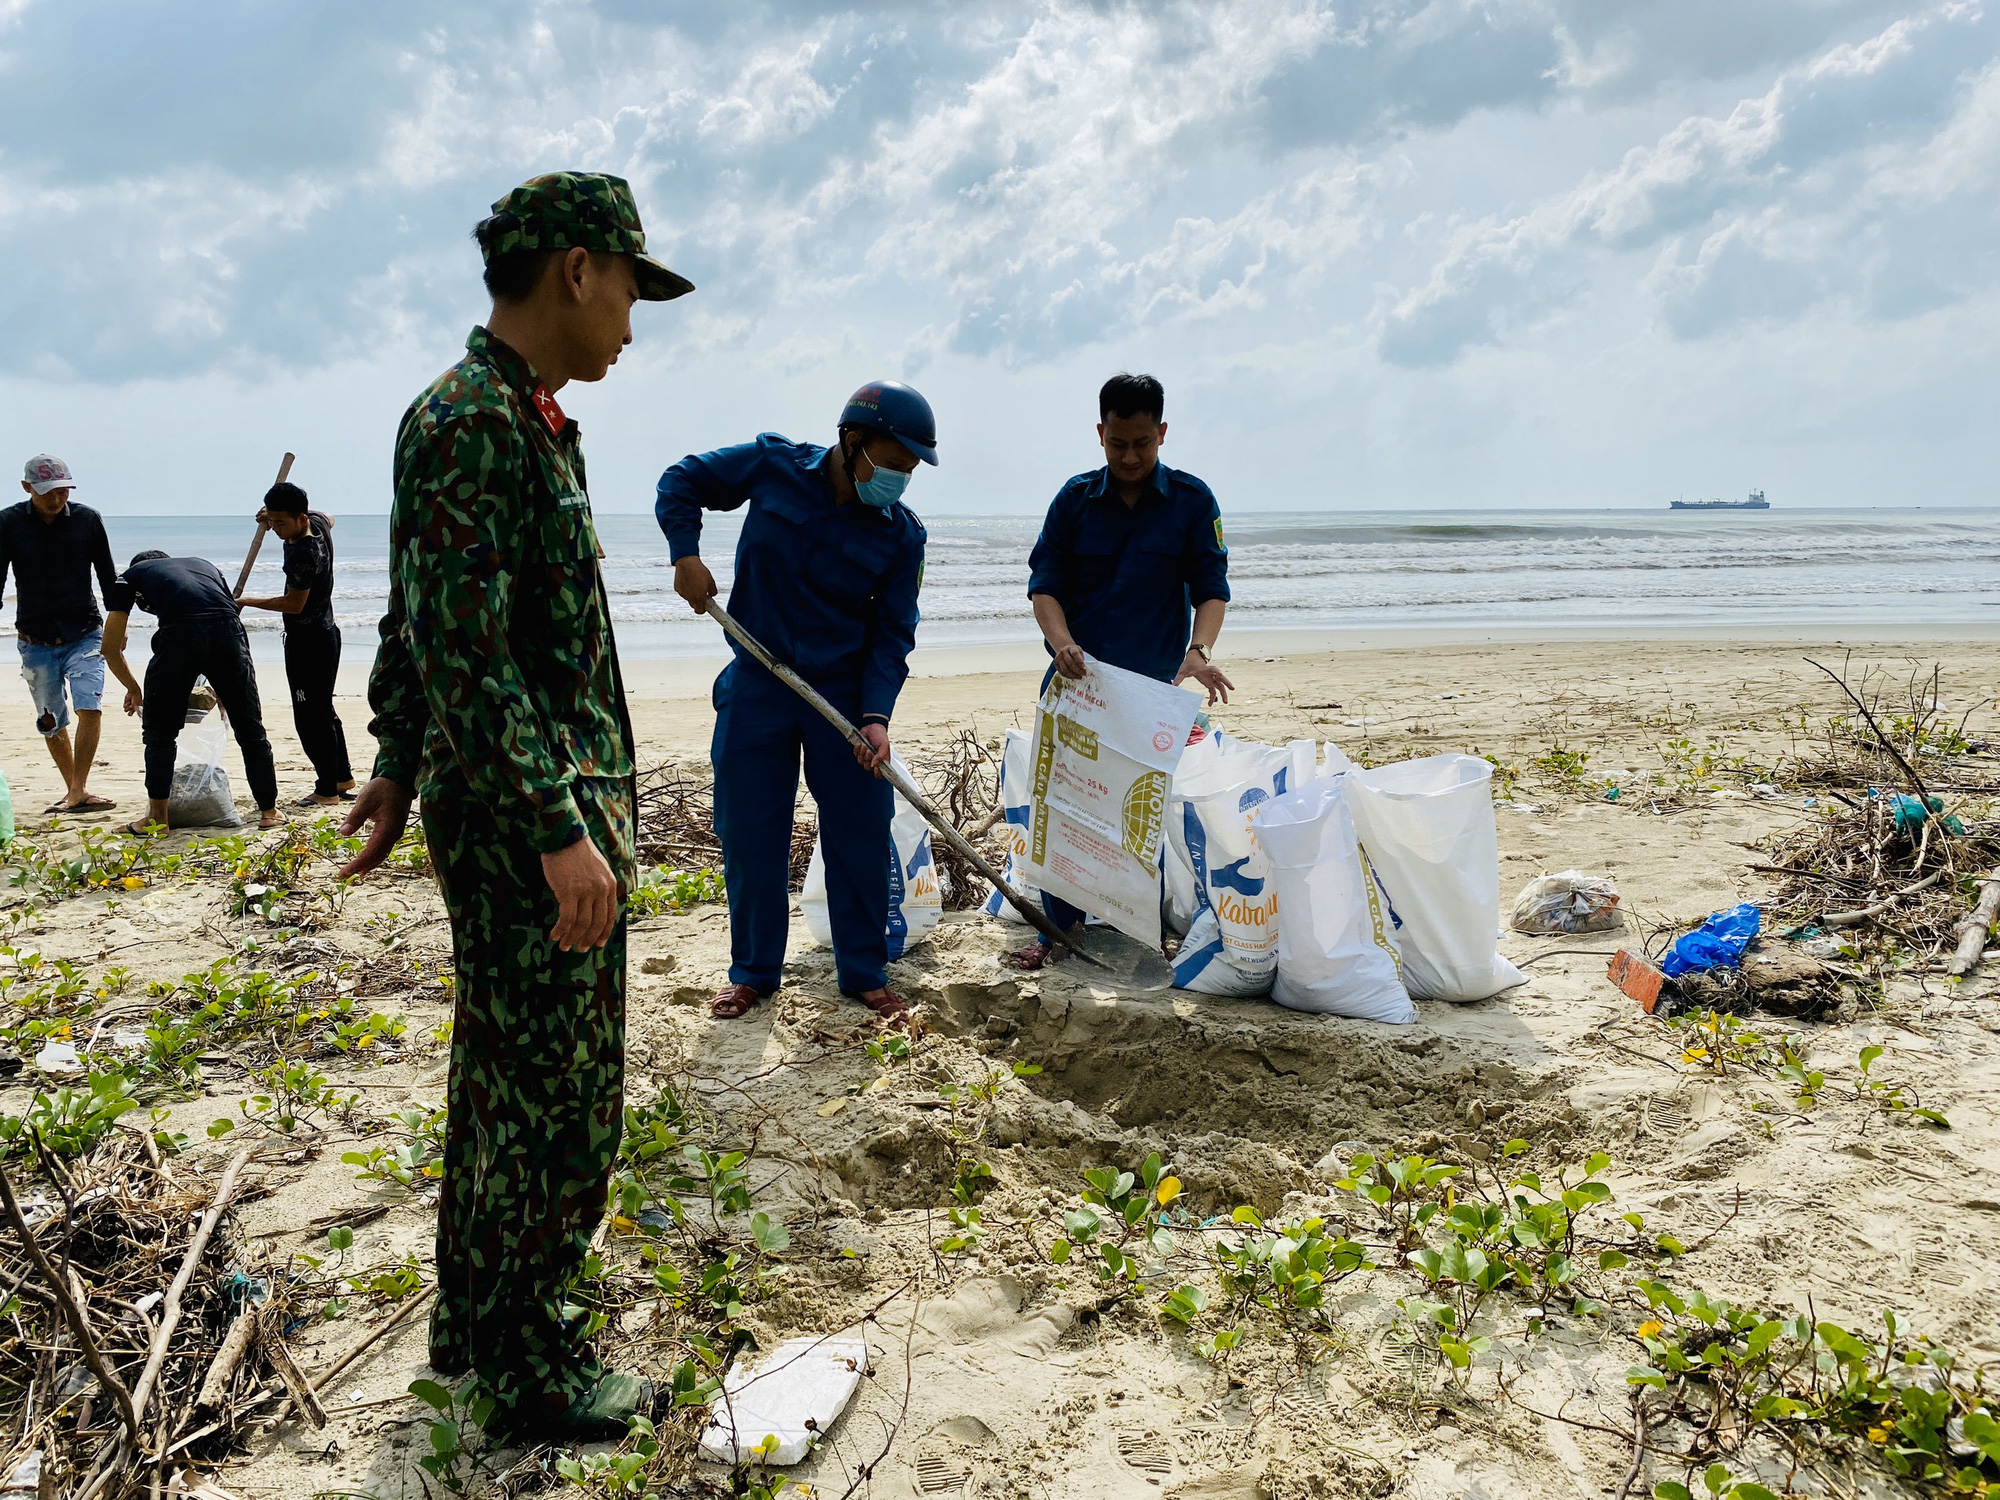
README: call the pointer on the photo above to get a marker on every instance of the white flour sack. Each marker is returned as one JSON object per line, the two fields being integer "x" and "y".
{"x": 1428, "y": 828}
{"x": 1017, "y": 782}
{"x": 1104, "y": 756}
{"x": 1231, "y": 947}
{"x": 1335, "y": 952}
{"x": 915, "y": 903}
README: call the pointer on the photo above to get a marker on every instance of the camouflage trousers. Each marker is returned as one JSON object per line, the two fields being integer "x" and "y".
{"x": 533, "y": 1113}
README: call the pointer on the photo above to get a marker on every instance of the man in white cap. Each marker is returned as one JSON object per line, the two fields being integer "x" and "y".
{"x": 52, "y": 546}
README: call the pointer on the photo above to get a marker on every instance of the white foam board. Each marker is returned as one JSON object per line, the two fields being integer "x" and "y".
{"x": 778, "y": 1393}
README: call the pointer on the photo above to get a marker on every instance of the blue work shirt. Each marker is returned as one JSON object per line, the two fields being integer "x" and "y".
{"x": 831, "y": 590}
{"x": 1129, "y": 577}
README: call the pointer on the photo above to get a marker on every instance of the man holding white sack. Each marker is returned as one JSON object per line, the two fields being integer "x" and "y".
{"x": 828, "y": 565}
{"x": 1130, "y": 569}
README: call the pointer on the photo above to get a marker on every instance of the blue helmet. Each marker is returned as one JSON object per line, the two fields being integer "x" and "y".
{"x": 892, "y": 407}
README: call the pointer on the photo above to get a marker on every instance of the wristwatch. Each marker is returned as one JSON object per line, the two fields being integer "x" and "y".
{"x": 1207, "y": 655}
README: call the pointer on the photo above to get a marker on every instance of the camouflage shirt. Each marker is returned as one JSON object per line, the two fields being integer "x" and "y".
{"x": 497, "y": 676}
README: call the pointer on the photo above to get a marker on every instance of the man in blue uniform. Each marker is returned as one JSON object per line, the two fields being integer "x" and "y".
{"x": 1130, "y": 568}
{"x": 827, "y": 570}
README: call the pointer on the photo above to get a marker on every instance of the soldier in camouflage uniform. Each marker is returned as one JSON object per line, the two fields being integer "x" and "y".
{"x": 497, "y": 698}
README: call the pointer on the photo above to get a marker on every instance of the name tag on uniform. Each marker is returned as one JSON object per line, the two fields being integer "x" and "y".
{"x": 574, "y": 500}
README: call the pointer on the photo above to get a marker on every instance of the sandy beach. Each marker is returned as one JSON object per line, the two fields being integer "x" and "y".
{"x": 1000, "y": 1371}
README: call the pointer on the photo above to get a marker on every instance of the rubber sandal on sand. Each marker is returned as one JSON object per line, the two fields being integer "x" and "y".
{"x": 888, "y": 1005}
{"x": 139, "y": 828}
{"x": 91, "y": 803}
{"x": 733, "y": 1002}
{"x": 1034, "y": 956}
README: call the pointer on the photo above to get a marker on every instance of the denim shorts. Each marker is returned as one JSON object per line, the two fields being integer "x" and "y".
{"x": 48, "y": 670}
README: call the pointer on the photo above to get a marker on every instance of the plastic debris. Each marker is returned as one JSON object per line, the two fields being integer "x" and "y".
{"x": 771, "y": 1412}
{"x": 1717, "y": 944}
{"x": 1568, "y": 902}
{"x": 59, "y": 1057}
{"x": 25, "y": 1478}
{"x": 1911, "y": 815}
{"x": 1763, "y": 791}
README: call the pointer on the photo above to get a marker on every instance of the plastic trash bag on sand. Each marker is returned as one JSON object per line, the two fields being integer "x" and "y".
{"x": 1335, "y": 952}
{"x": 1569, "y": 902}
{"x": 1231, "y": 946}
{"x": 200, "y": 794}
{"x": 1428, "y": 828}
{"x": 915, "y": 902}
{"x": 1717, "y": 944}
{"x": 1017, "y": 778}
{"x": 1106, "y": 746}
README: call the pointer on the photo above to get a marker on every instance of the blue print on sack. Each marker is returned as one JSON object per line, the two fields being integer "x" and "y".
{"x": 1394, "y": 920}
{"x": 1257, "y": 794}
{"x": 1189, "y": 965}
{"x": 898, "y": 927}
{"x": 918, "y": 860}
{"x": 1231, "y": 878}
{"x": 1197, "y": 845}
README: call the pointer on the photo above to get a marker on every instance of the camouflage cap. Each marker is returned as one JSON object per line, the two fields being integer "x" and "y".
{"x": 579, "y": 211}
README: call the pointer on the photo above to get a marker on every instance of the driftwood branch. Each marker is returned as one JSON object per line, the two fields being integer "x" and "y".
{"x": 288, "y": 1372}
{"x": 128, "y": 1411}
{"x": 1973, "y": 929}
{"x": 170, "y": 1310}
{"x": 215, "y": 1386}
{"x": 1868, "y": 913}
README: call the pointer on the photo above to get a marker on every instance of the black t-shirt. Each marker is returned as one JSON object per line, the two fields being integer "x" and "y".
{"x": 309, "y": 566}
{"x": 174, "y": 589}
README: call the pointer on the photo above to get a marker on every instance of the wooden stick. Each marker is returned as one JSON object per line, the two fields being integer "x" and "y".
{"x": 1973, "y": 929}
{"x": 326, "y": 1376}
{"x": 1851, "y": 918}
{"x": 128, "y": 1411}
{"x": 215, "y": 1386}
{"x": 1916, "y": 781}
{"x": 170, "y": 1310}
{"x": 288, "y": 1371}
{"x": 1033, "y": 914}
{"x": 257, "y": 543}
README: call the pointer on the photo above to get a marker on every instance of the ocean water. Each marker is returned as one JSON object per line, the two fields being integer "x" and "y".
{"x": 1624, "y": 568}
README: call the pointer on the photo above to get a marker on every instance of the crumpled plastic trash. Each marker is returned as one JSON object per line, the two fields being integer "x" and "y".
{"x": 1569, "y": 902}
{"x": 1910, "y": 814}
{"x": 1717, "y": 944}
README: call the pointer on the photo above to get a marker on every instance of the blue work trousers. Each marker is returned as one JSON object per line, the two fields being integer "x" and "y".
{"x": 761, "y": 729}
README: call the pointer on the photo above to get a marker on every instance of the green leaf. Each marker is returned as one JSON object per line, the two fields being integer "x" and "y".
{"x": 1671, "y": 1489}
{"x": 340, "y": 1237}
{"x": 217, "y": 1129}
{"x": 770, "y": 1236}
{"x": 431, "y": 1394}
{"x": 1868, "y": 1057}
{"x": 1059, "y": 1252}
{"x": 1244, "y": 1214}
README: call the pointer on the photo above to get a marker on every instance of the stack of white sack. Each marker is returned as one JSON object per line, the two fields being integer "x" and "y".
{"x": 1427, "y": 826}
{"x": 1336, "y": 954}
{"x": 915, "y": 902}
{"x": 1017, "y": 794}
{"x": 1218, "y": 881}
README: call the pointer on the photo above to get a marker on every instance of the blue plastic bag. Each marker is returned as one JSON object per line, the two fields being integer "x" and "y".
{"x": 1717, "y": 944}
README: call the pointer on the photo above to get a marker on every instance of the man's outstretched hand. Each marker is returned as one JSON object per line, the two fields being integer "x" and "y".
{"x": 586, "y": 895}
{"x": 386, "y": 805}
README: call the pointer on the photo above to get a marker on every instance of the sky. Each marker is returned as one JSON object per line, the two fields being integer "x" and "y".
{"x": 1384, "y": 255}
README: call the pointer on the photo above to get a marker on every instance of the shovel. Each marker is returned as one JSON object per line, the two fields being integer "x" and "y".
{"x": 1124, "y": 963}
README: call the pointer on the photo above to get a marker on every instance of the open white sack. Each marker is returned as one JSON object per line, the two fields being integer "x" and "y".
{"x": 1427, "y": 826}
{"x": 1105, "y": 750}
{"x": 1335, "y": 953}
{"x": 915, "y": 902}
{"x": 200, "y": 794}
{"x": 1017, "y": 795}
{"x": 1231, "y": 945}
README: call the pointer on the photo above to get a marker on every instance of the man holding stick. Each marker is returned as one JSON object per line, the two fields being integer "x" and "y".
{"x": 497, "y": 694}
{"x": 312, "y": 638}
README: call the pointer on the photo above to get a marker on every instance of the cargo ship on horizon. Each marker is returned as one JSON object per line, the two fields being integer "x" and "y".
{"x": 1755, "y": 502}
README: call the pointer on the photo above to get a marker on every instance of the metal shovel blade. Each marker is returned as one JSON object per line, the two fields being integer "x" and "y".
{"x": 1126, "y": 963}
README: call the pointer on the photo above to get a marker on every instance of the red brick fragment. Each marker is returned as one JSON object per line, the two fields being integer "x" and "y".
{"x": 1637, "y": 978}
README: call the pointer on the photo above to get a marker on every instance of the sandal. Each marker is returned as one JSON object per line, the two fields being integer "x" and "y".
{"x": 91, "y": 803}
{"x": 888, "y": 1006}
{"x": 140, "y": 828}
{"x": 1035, "y": 956}
{"x": 733, "y": 1002}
